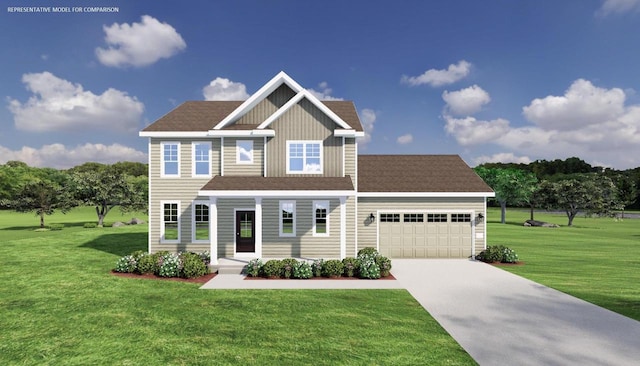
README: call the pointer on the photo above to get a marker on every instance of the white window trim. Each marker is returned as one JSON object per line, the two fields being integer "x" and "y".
{"x": 162, "y": 162}
{"x": 280, "y": 218}
{"x": 304, "y": 157}
{"x": 327, "y": 204}
{"x": 193, "y": 222}
{"x": 238, "y": 160}
{"x": 193, "y": 159}
{"x": 162, "y": 239}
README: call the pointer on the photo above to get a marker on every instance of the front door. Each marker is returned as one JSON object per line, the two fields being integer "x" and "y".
{"x": 245, "y": 229}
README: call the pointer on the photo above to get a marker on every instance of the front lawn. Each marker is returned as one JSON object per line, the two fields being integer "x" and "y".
{"x": 60, "y": 305}
{"x": 598, "y": 259}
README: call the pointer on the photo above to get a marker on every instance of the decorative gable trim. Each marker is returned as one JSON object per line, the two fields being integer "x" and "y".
{"x": 266, "y": 90}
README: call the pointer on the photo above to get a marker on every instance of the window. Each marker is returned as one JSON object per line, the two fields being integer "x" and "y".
{"x": 436, "y": 217}
{"x": 170, "y": 159}
{"x": 200, "y": 222}
{"x": 413, "y": 218}
{"x": 320, "y": 218}
{"x": 389, "y": 217}
{"x": 460, "y": 217}
{"x": 244, "y": 152}
{"x": 201, "y": 159}
{"x": 287, "y": 218}
{"x": 170, "y": 225}
{"x": 304, "y": 157}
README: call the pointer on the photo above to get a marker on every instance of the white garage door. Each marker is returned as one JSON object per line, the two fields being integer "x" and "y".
{"x": 425, "y": 235}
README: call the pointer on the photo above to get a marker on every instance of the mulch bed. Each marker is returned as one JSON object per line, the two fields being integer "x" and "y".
{"x": 390, "y": 277}
{"x": 151, "y": 276}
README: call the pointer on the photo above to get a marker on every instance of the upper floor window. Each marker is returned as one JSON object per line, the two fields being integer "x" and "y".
{"x": 244, "y": 152}
{"x": 201, "y": 159}
{"x": 304, "y": 157}
{"x": 170, "y": 159}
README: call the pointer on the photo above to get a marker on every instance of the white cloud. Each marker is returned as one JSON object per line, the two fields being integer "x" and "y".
{"x": 583, "y": 104}
{"x": 405, "y": 139}
{"x": 368, "y": 119}
{"x": 139, "y": 44}
{"x": 466, "y": 101}
{"x": 60, "y": 157}
{"x": 618, "y": 7}
{"x": 58, "y": 104}
{"x": 470, "y": 131}
{"x": 224, "y": 89}
{"x": 502, "y": 158}
{"x": 437, "y": 78}
{"x": 324, "y": 93}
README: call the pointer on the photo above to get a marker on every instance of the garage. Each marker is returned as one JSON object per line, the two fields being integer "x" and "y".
{"x": 425, "y": 234}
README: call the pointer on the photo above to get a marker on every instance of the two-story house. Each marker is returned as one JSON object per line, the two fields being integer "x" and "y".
{"x": 279, "y": 175}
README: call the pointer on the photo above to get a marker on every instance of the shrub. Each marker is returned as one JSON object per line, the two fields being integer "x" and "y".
{"x": 254, "y": 267}
{"x": 302, "y": 270}
{"x": 332, "y": 268}
{"x": 287, "y": 267}
{"x": 316, "y": 268}
{"x": 56, "y": 226}
{"x": 126, "y": 264}
{"x": 192, "y": 265}
{"x": 206, "y": 257}
{"x": 384, "y": 264}
{"x": 509, "y": 256}
{"x": 90, "y": 225}
{"x": 497, "y": 253}
{"x": 368, "y": 251}
{"x": 351, "y": 266}
{"x": 170, "y": 265}
{"x": 272, "y": 268}
{"x": 148, "y": 263}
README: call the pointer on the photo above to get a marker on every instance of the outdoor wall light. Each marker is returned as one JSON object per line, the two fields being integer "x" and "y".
{"x": 480, "y": 217}
{"x": 372, "y": 217}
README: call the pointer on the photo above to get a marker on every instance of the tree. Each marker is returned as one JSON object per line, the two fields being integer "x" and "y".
{"x": 627, "y": 190}
{"x": 108, "y": 188}
{"x": 512, "y": 186}
{"x": 42, "y": 196}
{"x": 594, "y": 194}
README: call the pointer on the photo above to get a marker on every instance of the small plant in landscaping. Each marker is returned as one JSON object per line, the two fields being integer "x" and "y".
{"x": 332, "y": 268}
{"x": 351, "y": 266}
{"x": 368, "y": 266}
{"x": 192, "y": 265}
{"x": 287, "y": 267}
{"x": 148, "y": 263}
{"x": 170, "y": 265}
{"x": 367, "y": 251}
{"x": 498, "y": 253}
{"x": 316, "y": 268}
{"x": 302, "y": 270}
{"x": 205, "y": 256}
{"x": 254, "y": 267}
{"x": 126, "y": 264}
{"x": 384, "y": 264}
{"x": 272, "y": 268}
{"x": 509, "y": 256}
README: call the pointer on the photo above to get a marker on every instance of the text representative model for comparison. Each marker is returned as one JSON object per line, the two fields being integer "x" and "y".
{"x": 63, "y": 9}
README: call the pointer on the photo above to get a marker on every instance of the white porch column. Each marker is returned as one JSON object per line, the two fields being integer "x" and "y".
{"x": 258, "y": 233}
{"x": 213, "y": 229}
{"x": 343, "y": 227}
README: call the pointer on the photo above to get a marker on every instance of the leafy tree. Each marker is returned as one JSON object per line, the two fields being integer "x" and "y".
{"x": 594, "y": 194}
{"x": 108, "y": 188}
{"x": 627, "y": 190}
{"x": 512, "y": 186}
{"x": 43, "y": 197}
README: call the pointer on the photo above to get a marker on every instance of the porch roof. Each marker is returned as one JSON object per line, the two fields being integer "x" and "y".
{"x": 247, "y": 186}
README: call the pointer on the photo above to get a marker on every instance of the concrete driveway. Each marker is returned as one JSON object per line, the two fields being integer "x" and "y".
{"x": 503, "y": 319}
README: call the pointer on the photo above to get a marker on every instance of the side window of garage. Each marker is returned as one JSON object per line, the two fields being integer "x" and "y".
{"x": 389, "y": 217}
{"x": 460, "y": 217}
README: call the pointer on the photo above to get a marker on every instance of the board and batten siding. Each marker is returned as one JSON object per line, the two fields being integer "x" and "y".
{"x": 350, "y": 157}
{"x": 267, "y": 106}
{"x": 183, "y": 189}
{"x": 304, "y": 121}
{"x": 231, "y": 167}
{"x": 368, "y": 205}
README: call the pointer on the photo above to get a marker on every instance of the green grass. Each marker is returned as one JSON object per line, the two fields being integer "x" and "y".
{"x": 598, "y": 259}
{"x": 60, "y": 305}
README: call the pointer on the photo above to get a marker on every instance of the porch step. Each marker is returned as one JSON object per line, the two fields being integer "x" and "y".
{"x": 228, "y": 268}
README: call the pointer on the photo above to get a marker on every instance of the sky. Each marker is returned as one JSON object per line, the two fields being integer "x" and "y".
{"x": 491, "y": 80}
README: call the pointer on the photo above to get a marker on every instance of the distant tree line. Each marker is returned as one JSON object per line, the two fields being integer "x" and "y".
{"x": 46, "y": 190}
{"x": 570, "y": 185}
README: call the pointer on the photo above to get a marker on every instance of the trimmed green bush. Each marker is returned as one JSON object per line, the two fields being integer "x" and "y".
{"x": 287, "y": 267}
{"x": 302, "y": 270}
{"x": 367, "y": 251}
{"x": 316, "y": 267}
{"x": 148, "y": 263}
{"x": 272, "y": 268}
{"x": 170, "y": 265}
{"x": 192, "y": 266}
{"x": 509, "y": 256}
{"x": 126, "y": 264}
{"x": 332, "y": 268}
{"x": 351, "y": 266}
{"x": 254, "y": 268}
{"x": 384, "y": 264}
{"x": 368, "y": 266}
{"x": 498, "y": 253}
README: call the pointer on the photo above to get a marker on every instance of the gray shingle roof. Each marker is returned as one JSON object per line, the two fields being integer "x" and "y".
{"x": 417, "y": 173}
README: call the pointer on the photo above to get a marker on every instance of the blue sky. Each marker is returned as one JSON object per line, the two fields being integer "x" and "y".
{"x": 510, "y": 81}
